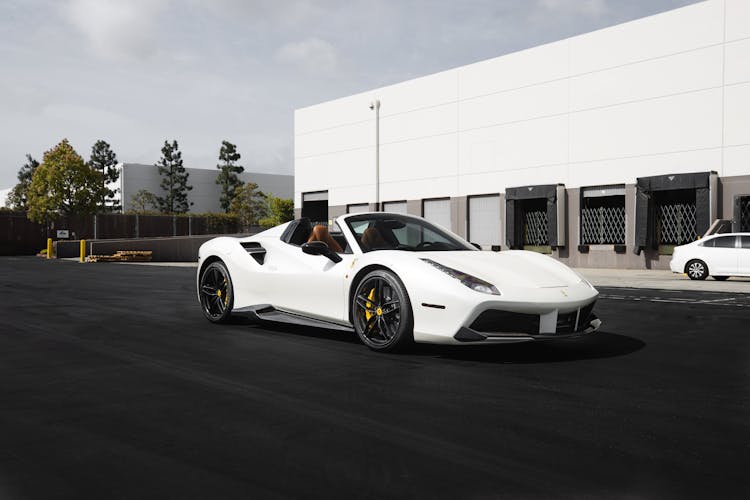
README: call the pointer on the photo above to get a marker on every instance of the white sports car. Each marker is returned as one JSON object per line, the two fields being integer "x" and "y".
{"x": 393, "y": 279}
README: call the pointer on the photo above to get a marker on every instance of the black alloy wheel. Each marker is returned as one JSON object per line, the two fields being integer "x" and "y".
{"x": 216, "y": 292}
{"x": 696, "y": 270}
{"x": 381, "y": 312}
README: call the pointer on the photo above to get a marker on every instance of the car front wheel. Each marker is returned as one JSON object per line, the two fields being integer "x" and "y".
{"x": 216, "y": 292}
{"x": 697, "y": 270}
{"x": 381, "y": 312}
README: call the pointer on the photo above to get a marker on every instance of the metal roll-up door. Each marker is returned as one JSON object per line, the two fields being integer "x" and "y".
{"x": 396, "y": 207}
{"x": 358, "y": 208}
{"x": 438, "y": 212}
{"x": 484, "y": 220}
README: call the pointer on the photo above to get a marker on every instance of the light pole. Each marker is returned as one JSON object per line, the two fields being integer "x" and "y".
{"x": 375, "y": 105}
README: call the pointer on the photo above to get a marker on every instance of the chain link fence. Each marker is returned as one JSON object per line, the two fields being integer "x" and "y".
{"x": 536, "y": 228}
{"x": 745, "y": 213}
{"x": 676, "y": 223}
{"x": 604, "y": 225}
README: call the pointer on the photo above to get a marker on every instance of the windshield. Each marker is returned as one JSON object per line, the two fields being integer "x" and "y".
{"x": 397, "y": 232}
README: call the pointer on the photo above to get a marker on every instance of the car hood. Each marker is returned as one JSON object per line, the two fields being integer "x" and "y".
{"x": 515, "y": 268}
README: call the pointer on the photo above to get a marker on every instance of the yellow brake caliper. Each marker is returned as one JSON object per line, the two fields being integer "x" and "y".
{"x": 368, "y": 314}
{"x": 225, "y": 297}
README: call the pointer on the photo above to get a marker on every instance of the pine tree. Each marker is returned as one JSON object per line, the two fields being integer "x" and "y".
{"x": 228, "y": 171}
{"x": 104, "y": 160}
{"x": 174, "y": 181}
{"x": 18, "y": 196}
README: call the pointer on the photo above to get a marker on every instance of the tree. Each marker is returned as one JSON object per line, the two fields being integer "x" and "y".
{"x": 249, "y": 204}
{"x": 63, "y": 185}
{"x": 104, "y": 160}
{"x": 18, "y": 196}
{"x": 228, "y": 171}
{"x": 143, "y": 201}
{"x": 280, "y": 210}
{"x": 174, "y": 181}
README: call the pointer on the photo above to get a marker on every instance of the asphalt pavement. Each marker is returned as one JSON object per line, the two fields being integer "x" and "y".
{"x": 112, "y": 385}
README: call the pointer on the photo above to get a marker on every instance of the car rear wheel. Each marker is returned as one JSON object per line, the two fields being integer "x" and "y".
{"x": 721, "y": 278}
{"x": 216, "y": 292}
{"x": 697, "y": 270}
{"x": 381, "y": 312}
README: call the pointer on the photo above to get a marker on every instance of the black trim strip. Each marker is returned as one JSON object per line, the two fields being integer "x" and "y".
{"x": 434, "y": 306}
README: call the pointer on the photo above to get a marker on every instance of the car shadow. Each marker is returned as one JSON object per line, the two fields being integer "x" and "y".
{"x": 596, "y": 346}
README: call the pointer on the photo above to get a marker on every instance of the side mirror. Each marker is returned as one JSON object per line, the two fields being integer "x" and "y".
{"x": 477, "y": 246}
{"x": 320, "y": 248}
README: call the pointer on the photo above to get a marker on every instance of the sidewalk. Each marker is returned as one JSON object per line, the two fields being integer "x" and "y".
{"x": 661, "y": 280}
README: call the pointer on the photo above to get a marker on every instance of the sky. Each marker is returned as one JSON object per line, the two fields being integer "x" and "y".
{"x": 138, "y": 72}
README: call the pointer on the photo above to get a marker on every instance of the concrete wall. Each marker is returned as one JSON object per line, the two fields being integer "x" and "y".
{"x": 205, "y": 193}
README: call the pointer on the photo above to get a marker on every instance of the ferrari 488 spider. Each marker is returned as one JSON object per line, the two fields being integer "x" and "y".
{"x": 394, "y": 280}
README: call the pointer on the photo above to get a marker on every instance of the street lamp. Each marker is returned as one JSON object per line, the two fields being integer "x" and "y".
{"x": 375, "y": 105}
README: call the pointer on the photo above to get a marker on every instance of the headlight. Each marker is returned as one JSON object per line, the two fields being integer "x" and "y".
{"x": 476, "y": 284}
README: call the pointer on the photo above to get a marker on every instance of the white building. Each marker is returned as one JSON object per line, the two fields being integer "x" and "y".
{"x": 205, "y": 194}
{"x": 593, "y": 148}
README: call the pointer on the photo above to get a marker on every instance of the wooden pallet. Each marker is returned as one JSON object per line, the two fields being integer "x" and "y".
{"x": 123, "y": 256}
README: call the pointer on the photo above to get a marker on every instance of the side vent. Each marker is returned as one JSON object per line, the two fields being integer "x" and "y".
{"x": 256, "y": 251}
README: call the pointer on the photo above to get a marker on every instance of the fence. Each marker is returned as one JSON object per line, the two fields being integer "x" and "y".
{"x": 20, "y": 236}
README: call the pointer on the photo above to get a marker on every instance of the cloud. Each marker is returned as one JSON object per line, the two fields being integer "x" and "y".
{"x": 591, "y": 8}
{"x": 312, "y": 54}
{"x": 117, "y": 29}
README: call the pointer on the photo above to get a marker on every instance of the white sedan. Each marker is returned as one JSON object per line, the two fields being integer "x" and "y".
{"x": 393, "y": 279}
{"x": 718, "y": 255}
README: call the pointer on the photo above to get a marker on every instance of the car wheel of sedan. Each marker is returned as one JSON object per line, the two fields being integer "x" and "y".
{"x": 216, "y": 292}
{"x": 381, "y": 312}
{"x": 697, "y": 270}
{"x": 721, "y": 278}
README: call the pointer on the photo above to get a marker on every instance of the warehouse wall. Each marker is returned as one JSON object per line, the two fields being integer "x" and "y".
{"x": 662, "y": 95}
{"x": 205, "y": 193}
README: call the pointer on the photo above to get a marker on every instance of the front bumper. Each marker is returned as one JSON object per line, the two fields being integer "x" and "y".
{"x": 525, "y": 331}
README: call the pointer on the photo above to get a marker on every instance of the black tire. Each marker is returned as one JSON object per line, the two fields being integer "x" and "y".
{"x": 216, "y": 292}
{"x": 721, "y": 278}
{"x": 696, "y": 270}
{"x": 382, "y": 314}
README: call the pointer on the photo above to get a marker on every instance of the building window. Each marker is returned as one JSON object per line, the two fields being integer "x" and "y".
{"x": 438, "y": 212}
{"x": 395, "y": 207}
{"x": 603, "y": 215}
{"x": 484, "y": 220}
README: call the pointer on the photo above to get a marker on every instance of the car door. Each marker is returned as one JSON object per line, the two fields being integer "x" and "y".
{"x": 722, "y": 255}
{"x": 743, "y": 267}
{"x": 312, "y": 285}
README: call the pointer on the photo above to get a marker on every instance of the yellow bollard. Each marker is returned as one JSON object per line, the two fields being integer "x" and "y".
{"x": 83, "y": 250}
{"x": 49, "y": 248}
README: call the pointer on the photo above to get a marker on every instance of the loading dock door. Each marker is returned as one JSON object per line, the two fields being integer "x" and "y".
{"x": 315, "y": 207}
{"x": 535, "y": 216}
{"x": 741, "y": 219}
{"x": 673, "y": 209}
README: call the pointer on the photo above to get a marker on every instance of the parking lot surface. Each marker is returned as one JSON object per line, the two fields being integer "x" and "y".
{"x": 112, "y": 385}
